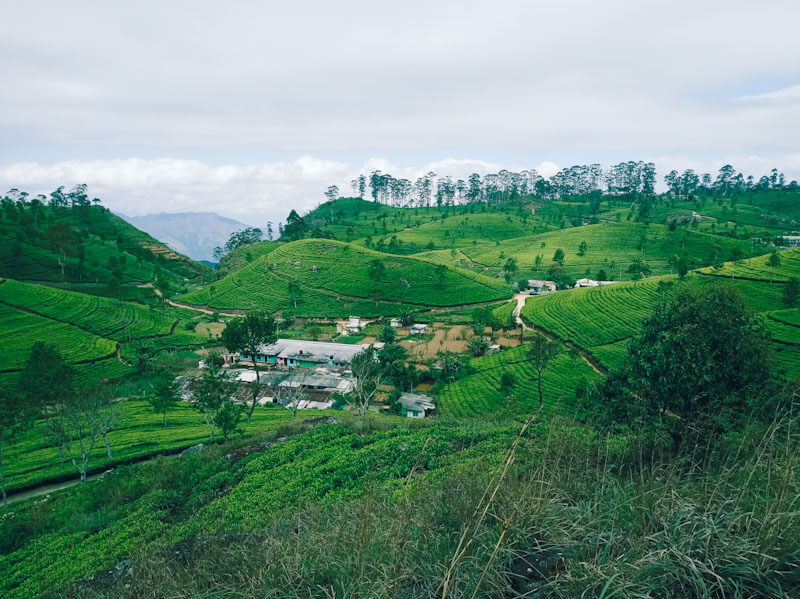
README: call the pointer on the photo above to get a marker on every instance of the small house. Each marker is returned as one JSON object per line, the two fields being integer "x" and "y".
{"x": 419, "y": 329}
{"x": 537, "y": 287}
{"x": 354, "y": 325}
{"x": 413, "y": 405}
{"x": 395, "y": 323}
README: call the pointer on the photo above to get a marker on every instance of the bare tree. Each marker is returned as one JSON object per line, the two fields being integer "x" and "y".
{"x": 77, "y": 424}
{"x": 290, "y": 398}
{"x": 367, "y": 372}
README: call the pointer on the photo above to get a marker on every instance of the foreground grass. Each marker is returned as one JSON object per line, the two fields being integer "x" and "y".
{"x": 140, "y": 433}
{"x": 471, "y": 510}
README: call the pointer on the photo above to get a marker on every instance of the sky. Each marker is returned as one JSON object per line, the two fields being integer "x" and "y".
{"x": 251, "y": 109}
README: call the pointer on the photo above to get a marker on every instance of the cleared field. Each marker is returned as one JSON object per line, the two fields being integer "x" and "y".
{"x": 482, "y": 392}
{"x": 609, "y": 246}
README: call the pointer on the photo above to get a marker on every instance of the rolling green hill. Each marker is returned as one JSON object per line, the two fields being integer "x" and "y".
{"x": 90, "y": 243}
{"x": 244, "y": 255}
{"x": 334, "y": 279}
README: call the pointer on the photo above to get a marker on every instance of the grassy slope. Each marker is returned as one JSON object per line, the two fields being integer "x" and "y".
{"x": 380, "y": 513}
{"x": 325, "y": 465}
{"x": 241, "y": 257}
{"x": 335, "y": 281}
{"x": 602, "y": 319}
{"x": 103, "y": 236}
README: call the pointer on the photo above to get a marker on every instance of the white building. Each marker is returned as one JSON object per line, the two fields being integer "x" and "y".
{"x": 419, "y": 329}
{"x": 537, "y": 287}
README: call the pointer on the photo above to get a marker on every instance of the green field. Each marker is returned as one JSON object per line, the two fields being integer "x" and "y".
{"x": 102, "y": 243}
{"x": 86, "y": 329}
{"x": 33, "y": 460}
{"x": 335, "y": 282}
{"x": 610, "y": 246}
{"x": 130, "y": 511}
{"x": 602, "y": 319}
{"x": 482, "y": 393}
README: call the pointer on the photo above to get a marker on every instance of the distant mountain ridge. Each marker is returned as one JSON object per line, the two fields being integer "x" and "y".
{"x": 194, "y": 234}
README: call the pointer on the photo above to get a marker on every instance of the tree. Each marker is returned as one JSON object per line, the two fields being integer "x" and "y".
{"x": 791, "y": 293}
{"x": 701, "y": 356}
{"x": 774, "y": 261}
{"x": 290, "y": 397}
{"x": 165, "y": 394}
{"x": 15, "y": 416}
{"x": 388, "y": 334}
{"x": 295, "y": 292}
{"x": 62, "y": 239}
{"x": 542, "y": 351}
{"x": 582, "y": 248}
{"x": 507, "y": 382}
{"x": 246, "y": 335}
{"x": 213, "y": 393}
{"x": 79, "y": 421}
{"x": 376, "y": 270}
{"x": 558, "y": 256}
{"x": 477, "y": 345}
{"x": 367, "y": 372}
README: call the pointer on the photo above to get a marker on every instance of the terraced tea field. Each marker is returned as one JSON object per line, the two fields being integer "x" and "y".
{"x": 335, "y": 281}
{"x": 758, "y": 268}
{"x": 34, "y": 460}
{"x": 602, "y": 319}
{"x": 482, "y": 392}
{"x": 85, "y": 328}
{"x": 609, "y": 246}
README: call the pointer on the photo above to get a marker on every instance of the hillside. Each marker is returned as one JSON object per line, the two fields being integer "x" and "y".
{"x": 603, "y": 319}
{"x": 194, "y": 234}
{"x": 334, "y": 280}
{"x": 85, "y": 247}
{"x": 405, "y": 510}
{"x": 244, "y": 255}
{"x": 88, "y": 330}
{"x": 609, "y": 246}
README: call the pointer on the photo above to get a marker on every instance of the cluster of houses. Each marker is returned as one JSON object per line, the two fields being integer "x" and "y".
{"x": 536, "y": 287}
{"x": 320, "y": 368}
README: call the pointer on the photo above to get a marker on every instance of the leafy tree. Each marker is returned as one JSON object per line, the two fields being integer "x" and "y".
{"x": 602, "y": 275}
{"x": 247, "y": 335}
{"x": 165, "y": 394}
{"x": 213, "y": 392}
{"x": 541, "y": 352}
{"x": 228, "y": 418}
{"x": 558, "y": 257}
{"x": 376, "y": 270}
{"x": 388, "y": 334}
{"x": 582, "y": 248}
{"x": 392, "y": 353}
{"x": 702, "y": 356}
{"x": 507, "y": 382}
{"x": 791, "y": 293}
{"x": 295, "y": 292}
{"x": 63, "y": 240}
{"x": 477, "y": 345}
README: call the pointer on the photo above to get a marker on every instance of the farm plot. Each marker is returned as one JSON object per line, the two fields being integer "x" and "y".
{"x": 483, "y": 393}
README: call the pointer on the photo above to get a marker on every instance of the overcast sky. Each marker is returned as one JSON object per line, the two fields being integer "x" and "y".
{"x": 250, "y": 109}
